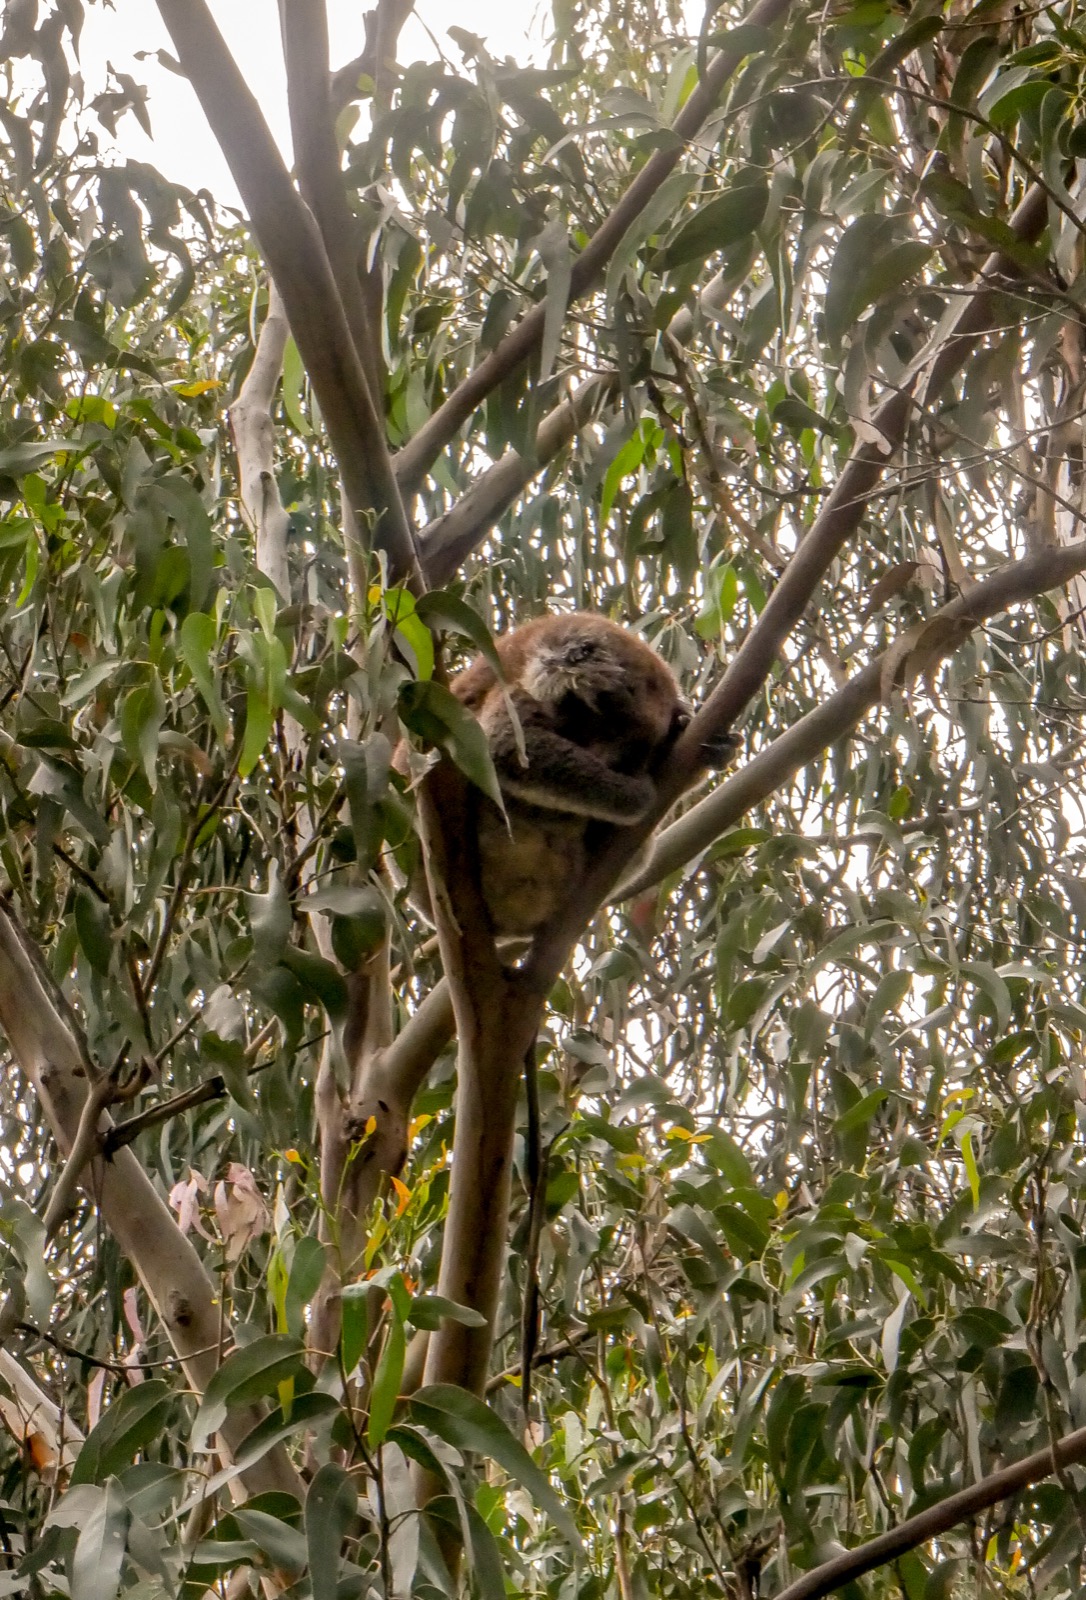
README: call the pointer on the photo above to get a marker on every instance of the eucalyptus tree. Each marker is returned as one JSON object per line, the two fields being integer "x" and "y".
{"x": 728, "y": 1240}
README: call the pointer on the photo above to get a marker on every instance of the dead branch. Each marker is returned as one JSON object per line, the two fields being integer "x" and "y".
{"x": 419, "y": 454}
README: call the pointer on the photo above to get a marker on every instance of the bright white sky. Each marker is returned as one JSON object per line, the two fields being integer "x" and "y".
{"x": 183, "y": 148}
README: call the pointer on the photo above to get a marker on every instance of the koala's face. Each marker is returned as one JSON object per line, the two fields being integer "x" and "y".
{"x": 579, "y": 662}
{"x": 609, "y": 671}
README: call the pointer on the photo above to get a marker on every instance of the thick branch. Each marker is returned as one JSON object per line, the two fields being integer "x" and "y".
{"x": 937, "y": 1519}
{"x": 447, "y": 542}
{"x": 184, "y": 1296}
{"x": 496, "y": 1024}
{"x": 838, "y": 716}
{"x": 418, "y": 1044}
{"x": 419, "y": 454}
{"x": 317, "y": 161}
{"x": 292, "y": 246}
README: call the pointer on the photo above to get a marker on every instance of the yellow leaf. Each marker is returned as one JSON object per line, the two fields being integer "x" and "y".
{"x": 201, "y": 386}
{"x": 404, "y": 1193}
{"x": 292, "y": 1155}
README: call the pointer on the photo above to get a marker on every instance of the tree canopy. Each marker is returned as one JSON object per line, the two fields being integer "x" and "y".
{"x": 728, "y": 1241}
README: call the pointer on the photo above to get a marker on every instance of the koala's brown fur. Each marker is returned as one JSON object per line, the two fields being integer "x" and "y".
{"x": 598, "y": 710}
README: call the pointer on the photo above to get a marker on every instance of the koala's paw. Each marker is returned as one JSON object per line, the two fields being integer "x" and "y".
{"x": 719, "y": 750}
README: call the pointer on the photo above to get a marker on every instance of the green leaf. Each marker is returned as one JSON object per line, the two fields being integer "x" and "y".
{"x": 386, "y": 1381}
{"x": 283, "y": 1545}
{"x": 198, "y": 639}
{"x": 554, "y": 252}
{"x": 306, "y": 1273}
{"x": 95, "y": 929}
{"x": 663, "y": 206}
{"x": 134, "y": 1419}
{"x": 462, "y": 1420}
{"x": 248, "y": 1374}
{"x": 412, "y": 634}
{"x": 484, "y": 1557}
{"x": 270, "y": 918}
{"x": 439, "y": 609}
{"x": 259, "y": 719}
{"x": 437, "y": 717}
{"x": 859, "y": 1115}
{"x": 720, "y": 223}
{"x": 100, "y": 1548}
{"x": 331, "y": 1506}
{"x": 866, "y": 265}
{"x": 142, "y": 716}
{"x": 429, "y": 1311}
{"x": 322, "y": 981}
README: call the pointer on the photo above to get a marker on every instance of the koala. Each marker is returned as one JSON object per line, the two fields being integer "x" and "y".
{"x": 598, "y": 710}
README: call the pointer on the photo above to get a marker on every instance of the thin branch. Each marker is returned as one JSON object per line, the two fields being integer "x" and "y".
{"x": 419, "y": 454}
{"x": 838, "y": 716}
{"x": 213, "y": 1088}
{"x": 294, "y": 251}
{"x": 85, "y": 1146}
{"x": 448, "y": 541}
{"x": 937, "y": 1519}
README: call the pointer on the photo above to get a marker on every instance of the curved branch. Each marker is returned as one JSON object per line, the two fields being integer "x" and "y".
{"x": 296, "y": 257}
{"x": 419, "y": 454}
{"x": 937, "y": 1519}
{"x": 448, "y": 541}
